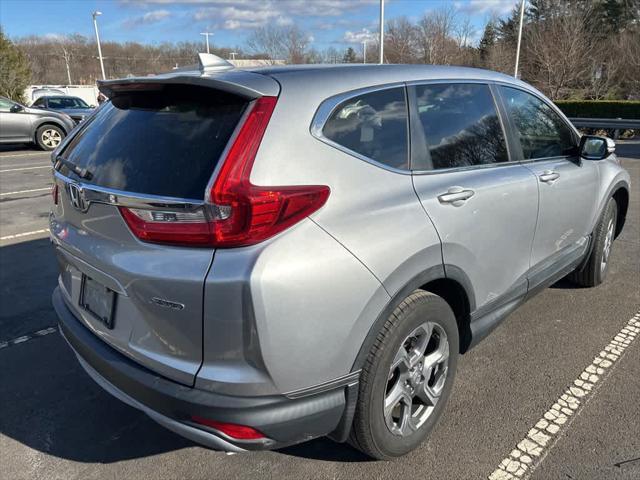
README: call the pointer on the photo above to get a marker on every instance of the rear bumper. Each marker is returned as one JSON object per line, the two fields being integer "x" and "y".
{"x": 282, "y": 420}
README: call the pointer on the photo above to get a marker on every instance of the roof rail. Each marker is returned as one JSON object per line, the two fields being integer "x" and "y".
{"x": 208, "y": 62}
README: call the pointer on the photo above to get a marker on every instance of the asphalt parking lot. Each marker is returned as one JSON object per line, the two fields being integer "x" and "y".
{"x": 56, "y": 423}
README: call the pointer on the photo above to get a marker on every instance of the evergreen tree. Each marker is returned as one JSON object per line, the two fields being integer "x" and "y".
{"x": 488, "y": 40}
{"x": 349, "y": 56}
{"x": 14, "y": 70}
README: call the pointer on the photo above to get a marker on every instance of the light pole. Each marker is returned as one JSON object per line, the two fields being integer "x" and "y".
{"x": 95, "y": 25}
{"x": 381, "y": 31}
{"x": 364, "y": 51}
{"x": 515, "y": 73}
{"x": 206, "y": 34}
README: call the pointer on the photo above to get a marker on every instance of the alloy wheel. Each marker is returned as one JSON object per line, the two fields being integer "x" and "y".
{"x": 51, "y": 138}
{"x": 416, "y": 379}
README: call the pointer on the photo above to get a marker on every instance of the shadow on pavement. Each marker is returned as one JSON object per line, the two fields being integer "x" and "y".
{"x": 50, "y": 404}
{"x": 21, "y": 146}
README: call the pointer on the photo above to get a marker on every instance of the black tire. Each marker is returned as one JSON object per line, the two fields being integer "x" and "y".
{"x": 597, "y": 266}
{"x": 370, "y": 431}
{"x": 49, "y": 136}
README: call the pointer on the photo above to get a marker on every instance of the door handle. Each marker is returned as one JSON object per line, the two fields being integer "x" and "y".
{"x": 456, "y": 196}
{"x": 549, "y": 176}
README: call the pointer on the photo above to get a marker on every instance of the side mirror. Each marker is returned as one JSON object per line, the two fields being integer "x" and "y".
{"x": 15, "y": 108}
{"x": 596, "y": 148}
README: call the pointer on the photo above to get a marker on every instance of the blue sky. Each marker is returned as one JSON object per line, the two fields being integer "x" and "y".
{"x": 337, "y": 23}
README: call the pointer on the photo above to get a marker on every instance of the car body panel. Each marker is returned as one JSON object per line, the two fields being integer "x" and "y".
{"x": 272, "y": 313}
{"x": 474, "y": 234}
{"x": 99, "y": 245}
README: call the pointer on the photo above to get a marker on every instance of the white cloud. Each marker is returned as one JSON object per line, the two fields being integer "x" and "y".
{"x": 358, "y": 37}
{"x": 148, "y": 18}
{"x": 248, "y": 14}
{"x": 238, "y": 17}
{"x": 480, "y": 7}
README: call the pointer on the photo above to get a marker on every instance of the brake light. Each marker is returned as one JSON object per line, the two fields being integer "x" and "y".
{"x": 239, "y": 213}
{"x": 239, "y": 432}
{"x": 54, "y": 193}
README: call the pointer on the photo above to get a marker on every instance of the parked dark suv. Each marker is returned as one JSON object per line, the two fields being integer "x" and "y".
{"x": 75, "y": 107}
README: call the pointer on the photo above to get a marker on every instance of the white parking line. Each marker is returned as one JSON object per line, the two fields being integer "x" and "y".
{"x": 24, "y": 155}
{"x": 28, "y": 336}
{"x": 23, "y": 168}
{"x": 25, "y": 234}
{"x": 533, "y": 448}
{"x": 26, "y": 191}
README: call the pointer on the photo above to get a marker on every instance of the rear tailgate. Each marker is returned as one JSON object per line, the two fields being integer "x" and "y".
{"x": 149, "y": 148}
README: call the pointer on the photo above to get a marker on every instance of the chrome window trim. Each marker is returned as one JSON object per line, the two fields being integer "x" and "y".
{"x": 464, "y": 169}
{"x": 328, "y": 106}
{"x": 119, "y": 198}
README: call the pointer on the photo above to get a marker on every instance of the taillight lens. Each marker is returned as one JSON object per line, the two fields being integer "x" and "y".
{"x": 239, "y": 432}
{"x": 239, "y": 213}
{"x": 169, "y": 227}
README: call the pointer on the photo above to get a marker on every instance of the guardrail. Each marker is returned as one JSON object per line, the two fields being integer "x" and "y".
{"x": 614, "y": 123}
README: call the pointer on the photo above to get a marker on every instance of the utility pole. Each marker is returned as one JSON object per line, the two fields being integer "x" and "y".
{"x": 364, "y": 51}
{"x": 515, "y": 73}
{"x": 206, "y": 35}
{"x": 381, "y": 31}
{"x": 95, "y": 25}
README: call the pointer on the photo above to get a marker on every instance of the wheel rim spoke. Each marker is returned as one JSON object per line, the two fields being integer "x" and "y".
{"x": 606, "y": 251}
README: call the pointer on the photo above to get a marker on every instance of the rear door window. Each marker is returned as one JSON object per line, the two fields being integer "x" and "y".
{"x": 161, "y": 142}
{"x": 460, "y": 125}
{"x": 374, "y": 125}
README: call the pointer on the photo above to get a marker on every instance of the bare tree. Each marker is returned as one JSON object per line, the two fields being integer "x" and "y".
{"x": 435, "y": 34}
{"x": 400, "y": 41}
{"x": 558, "y": 52}
{"x": 280, "y": 43}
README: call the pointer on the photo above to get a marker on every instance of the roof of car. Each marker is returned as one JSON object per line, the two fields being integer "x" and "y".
{"x": 321, "y": 79}
{"x": 401, "y": 72}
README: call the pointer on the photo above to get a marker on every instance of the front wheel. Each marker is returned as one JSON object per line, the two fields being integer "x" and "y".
{"x": 597, "y": 266}
{"x": 407, "y": 377}
{"x": 48, "y": 137}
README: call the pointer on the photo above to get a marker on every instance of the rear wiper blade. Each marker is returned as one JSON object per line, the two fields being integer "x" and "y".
{"x": 81, "y": 172}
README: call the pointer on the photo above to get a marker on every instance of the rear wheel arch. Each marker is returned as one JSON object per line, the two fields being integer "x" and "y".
{"x": 621, "y": 196}
{"x": 455, "y": 294}
{"x": 453, "y": 286}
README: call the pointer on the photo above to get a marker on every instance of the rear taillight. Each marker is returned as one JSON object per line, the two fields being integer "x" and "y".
{"x": 239, "y": 432}
{"x": 54, "y": 193}
{"x": 239, "y": 213}
{"x": 169, "y": 227}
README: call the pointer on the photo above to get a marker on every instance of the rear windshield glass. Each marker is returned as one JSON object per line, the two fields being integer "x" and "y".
{"x": 163, "y": 142}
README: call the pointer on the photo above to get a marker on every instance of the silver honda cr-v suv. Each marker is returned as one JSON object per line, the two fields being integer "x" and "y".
{"x": 257, "y": 258}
